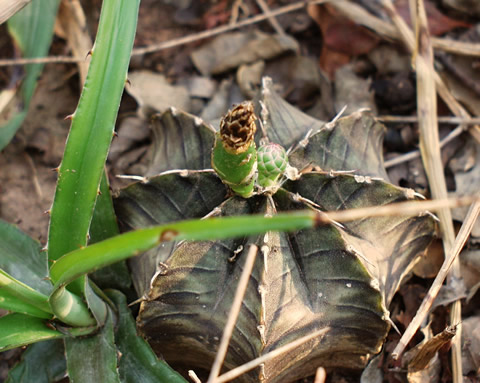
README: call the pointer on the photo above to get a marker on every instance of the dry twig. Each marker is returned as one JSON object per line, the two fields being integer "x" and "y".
{"x": 442, "y": 120}
{"x": 351, "y": 10}
{"x": 233, "y": 314}
{"x": 429, "y": 142}
{"x": 416, "y": 153}
{"x": 407, "y": 208}
{"x": 236, "y": 372}
{"x": 9, "y": 7}
{"x": 423, "y": 310}
{"x": 273, "y": 21}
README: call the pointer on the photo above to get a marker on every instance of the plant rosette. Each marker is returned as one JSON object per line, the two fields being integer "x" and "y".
{"x": 338, "y": 277}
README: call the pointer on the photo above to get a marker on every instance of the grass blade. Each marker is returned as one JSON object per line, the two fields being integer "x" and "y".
{"x": 22, "y": 258}
{"x": 32, "y": 30}
{"x": 93, "y": 358}
{"x": 138, "y": 362}
{"x": 23, "y": 292}
{"x": 43, "y": 362}
{"x": 19, "y": 330}
{"x": 101, "y": 254}
{"x": 104, "y": 225}
{"x": 10, "y": 302}
{"x": 92, "y": 128}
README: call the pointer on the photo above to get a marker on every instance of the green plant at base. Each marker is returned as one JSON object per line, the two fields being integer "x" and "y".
{"x": 61, "y": 302}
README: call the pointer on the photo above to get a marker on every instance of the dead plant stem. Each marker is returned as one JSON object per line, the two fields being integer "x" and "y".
{"x": 423, "y": 310}
{"x": 430, "y": 144}
{"x": 351, "y": 10}
{"x": 236, "y": 372}
{"x": 416, "y": 153}
{"x": 233, "y": 314}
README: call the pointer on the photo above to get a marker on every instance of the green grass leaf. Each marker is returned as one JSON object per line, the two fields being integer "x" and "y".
{"x": 24, "y": 293}
{"x": 104, "y": 225}
{"x": 138, "y": 363}
{"x": 93, "y": 358}
{"x": 10, "y": 302}
{"x": 101, "y": 254}
{"x": 92, "y": 128}
{"x": 19, "y": 330}
{"x": 42, "y": 362}
{"x": 32, "y": 31}
{"x": 22, "y": 258}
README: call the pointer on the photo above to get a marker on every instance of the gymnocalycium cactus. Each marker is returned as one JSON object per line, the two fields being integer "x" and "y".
{"x": 340, "y": 277}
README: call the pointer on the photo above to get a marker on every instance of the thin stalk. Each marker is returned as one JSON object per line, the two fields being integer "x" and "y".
{"x": 233, "y": 314}
{"x": 431, "y": 156}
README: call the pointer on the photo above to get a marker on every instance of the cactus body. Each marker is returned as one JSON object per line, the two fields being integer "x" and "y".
{"x": 272, "y": 163}
{"x": 234, "y": 156}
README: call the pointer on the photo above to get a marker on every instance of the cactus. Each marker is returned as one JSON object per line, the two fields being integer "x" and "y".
{"x": 272, "y": 163}
{"x": 335, "y": 277}
{"x": 234, "y": 156}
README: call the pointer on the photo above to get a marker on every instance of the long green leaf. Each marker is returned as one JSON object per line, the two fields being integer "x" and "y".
{"x": 19, "y": 330}
{"x": 23, "y": 292}
{"x": 92, "y": 128}
{"x": 104, "y": 225}
{"x": 93, "y": 358}
{"x": 32, "y": 30}
{"x": 138, "y": 363}
{"x": 21, "y": 257}
{"x": 101, "y": 254}
{"x": 10, "y": 302}
{"x": 43, "y": 362}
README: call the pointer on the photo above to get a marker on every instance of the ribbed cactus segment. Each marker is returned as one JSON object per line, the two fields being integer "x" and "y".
{"x": 272, "y": 161}
{"x": 234, "y": 156}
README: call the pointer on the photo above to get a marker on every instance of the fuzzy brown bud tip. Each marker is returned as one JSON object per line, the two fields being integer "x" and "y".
{"x": 237, "y": 128}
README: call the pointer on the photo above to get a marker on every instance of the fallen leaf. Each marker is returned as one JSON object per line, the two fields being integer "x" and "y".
{"x": 154, "y": 93}
{"x": 438, "y": 23}
{"x": 230, "y": 50}
{"x": 342, "y": 39}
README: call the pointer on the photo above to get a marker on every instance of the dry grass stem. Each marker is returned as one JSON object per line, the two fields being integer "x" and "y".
{"x": 321, "y": 375}
{"x": 456, "y": 47}
{"x": 416, "y": 153}
{"x": 353, "y": 11}
{"x": 236, "y": 372}
{"x": 225, "y": 28}
{"x": 193, "y": 376}
{"x": 453, "y": 120}
{"x": 272, "y": 20}
{"x": 408, "y": 208}
{"x": 359, "y": 15}
{"x": 233, "y": 314}
{"x": 9, "y": 7}
{"x": 73, "y": 21}
{"x": 409, "y": 40}
{"x": 34, "y": 175}
{"x": 423, "y": 310}
{"x": 431, "y": 157}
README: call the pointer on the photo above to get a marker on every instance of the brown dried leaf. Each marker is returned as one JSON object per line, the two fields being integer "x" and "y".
{"x": 419, "y": 357}
{"x": 438, "y": 23}
{"x": 230, "y": 50}
{"x": 342, "y": 39}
